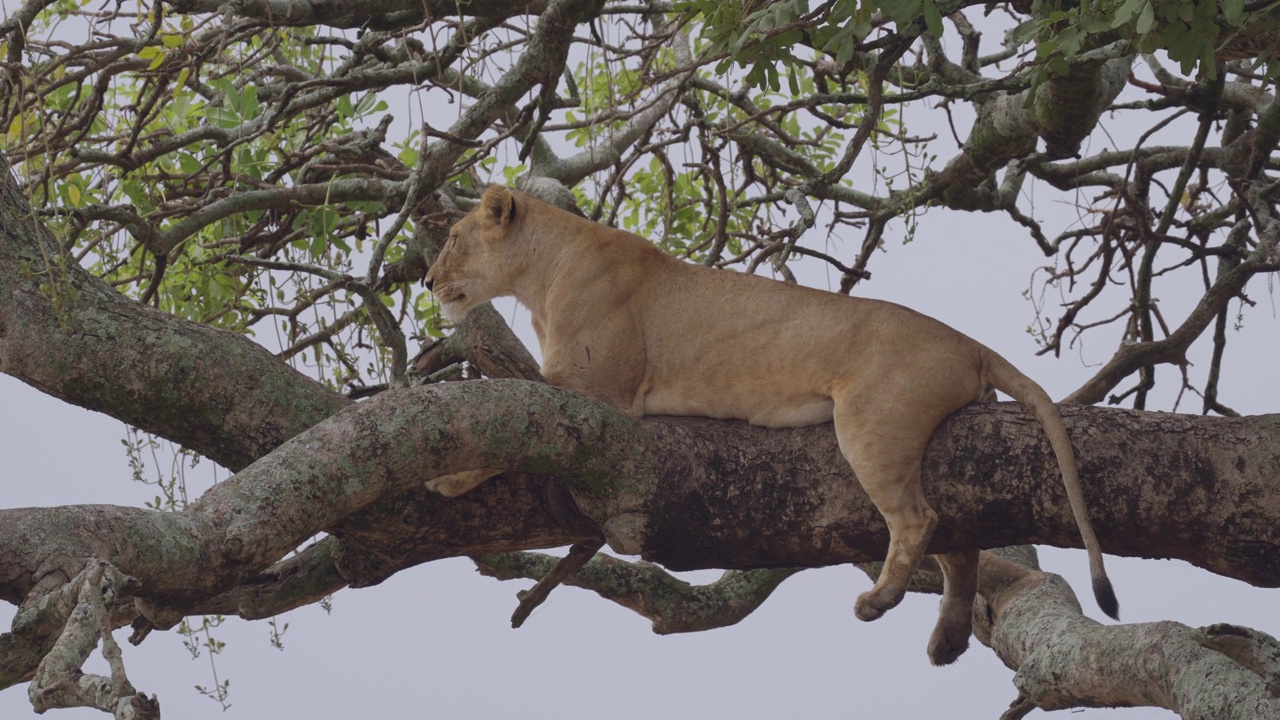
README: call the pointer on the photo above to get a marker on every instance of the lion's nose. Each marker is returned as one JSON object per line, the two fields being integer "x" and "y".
{"x": 428, "y": 281}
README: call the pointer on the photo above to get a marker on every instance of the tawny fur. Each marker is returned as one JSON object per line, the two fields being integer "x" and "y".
{"x": 621, "y": 321}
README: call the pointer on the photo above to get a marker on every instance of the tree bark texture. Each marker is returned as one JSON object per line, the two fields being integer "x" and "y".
{"x": 686, "y": 493}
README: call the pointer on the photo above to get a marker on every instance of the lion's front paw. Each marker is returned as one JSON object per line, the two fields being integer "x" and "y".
{"x": 872, "y": 604}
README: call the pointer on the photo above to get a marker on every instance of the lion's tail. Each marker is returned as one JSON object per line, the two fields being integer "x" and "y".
{"x": 1002, "y": 375}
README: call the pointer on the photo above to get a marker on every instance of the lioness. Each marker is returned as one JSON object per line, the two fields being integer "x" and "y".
{"x": 622, "y": 321}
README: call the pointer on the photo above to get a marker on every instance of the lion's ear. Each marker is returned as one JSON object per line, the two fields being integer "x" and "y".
{"x": 499, "y": 206}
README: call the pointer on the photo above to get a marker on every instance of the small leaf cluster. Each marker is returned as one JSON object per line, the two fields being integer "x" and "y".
{"x": 1197, "y": 34}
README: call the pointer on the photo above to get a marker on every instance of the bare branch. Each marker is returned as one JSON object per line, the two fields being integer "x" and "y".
{"x": 672, "y": 604}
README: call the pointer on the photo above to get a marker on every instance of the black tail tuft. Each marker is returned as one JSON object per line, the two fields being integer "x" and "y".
{"x": 1106, "y": 597}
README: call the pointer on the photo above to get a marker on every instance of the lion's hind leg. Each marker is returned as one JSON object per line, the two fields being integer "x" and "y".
{"x": 884, "y": 447}
{"x": 950, "y": 636}
{"x": 911, "y": 524}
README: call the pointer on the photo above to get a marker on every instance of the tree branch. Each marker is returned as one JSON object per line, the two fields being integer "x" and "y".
{"x": 1221, "y": 671}
{"x": 171, "y": 377}
{"x": 673, "y": 605}
{"x": 377, "y": 15}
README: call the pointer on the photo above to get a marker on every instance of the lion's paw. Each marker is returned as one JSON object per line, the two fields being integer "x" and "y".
{"x": 872, "y": 604}
{"x": 948, "y": 643}
{"x": 459, "y": 483}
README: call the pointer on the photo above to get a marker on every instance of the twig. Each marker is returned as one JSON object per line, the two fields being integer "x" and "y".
{"x": 578, "y": 556}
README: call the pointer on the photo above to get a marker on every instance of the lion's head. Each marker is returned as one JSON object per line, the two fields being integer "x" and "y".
{"x": 477, "y": 263}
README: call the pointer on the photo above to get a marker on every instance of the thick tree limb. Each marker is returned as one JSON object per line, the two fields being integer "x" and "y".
{"x": 294, "y": 582}
{"x": 655, "y": 485}
{"x": 686, "y": 493}
{"x": 67, "y": 334}
{"x": 1221, "y": 671}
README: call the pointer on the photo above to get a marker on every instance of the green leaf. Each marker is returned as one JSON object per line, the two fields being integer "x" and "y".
{"x": 932, "y": 18}
{"x": 155, "y": 54}
{"x": 1205, "y": 20}
{"x": 1126, "y": 11}
{"x": 511, "y": 172}
{"x": 1069, "y": 41}
{"x": 841, "y": 11}
{"x": 902, "y": 11}
{"x": 1208, "y": 63}
{"x": 1023, "y": 32}
{"x": 771, "y": 71}
{"x": 1095, "y": 22}
{"x": 249, "y": 107}
{"x": 1233, "y": 11}
{"x": 1146, "y": 19}
{"x": 188, "y": 163}
{"x": 845, "y": 53}
{"x": 231, "y": 99}
{"x": 179, "y": 108}
{"x": 221, "y": 117}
